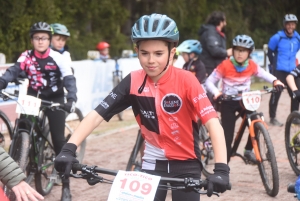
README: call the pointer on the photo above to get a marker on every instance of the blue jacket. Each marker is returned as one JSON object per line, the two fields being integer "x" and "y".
{"x": 284, "y": 49}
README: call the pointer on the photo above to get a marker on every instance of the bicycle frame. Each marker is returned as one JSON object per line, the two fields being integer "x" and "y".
{"x": 247, "y": 121}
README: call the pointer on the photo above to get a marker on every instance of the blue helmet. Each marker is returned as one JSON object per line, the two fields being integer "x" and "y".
{"x": 60, "y": 29}
{"x": 243, "y": 41}
{"x": 190, "y": 46}
{"x": 155, "y": 26}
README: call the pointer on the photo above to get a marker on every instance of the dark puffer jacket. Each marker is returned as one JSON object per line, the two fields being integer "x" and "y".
{"x": 10, "y": 173}
{"x": 214, "y": 47}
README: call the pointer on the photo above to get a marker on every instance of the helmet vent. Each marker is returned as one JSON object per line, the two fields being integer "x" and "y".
{"x": 154, "y": 25}
{"x": 146, "y": 25}
{"x": 166, "y": 24}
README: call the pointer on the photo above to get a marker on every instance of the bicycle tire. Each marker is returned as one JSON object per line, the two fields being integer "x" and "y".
{"x": 116, "y": 81}
{"x": 135, "y": 159}
{"x": 46, "y": 156}
{"x": 267, "y": 154}
{"x": 292, "y": 141}
{"x": 73, "y": 121}
{"x": 207, "y": 153}
{"x": 20, "y": 154}
{"x": 4, "y": 119}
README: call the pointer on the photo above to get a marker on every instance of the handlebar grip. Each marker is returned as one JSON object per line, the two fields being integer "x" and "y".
{"x": 77, "y": 167}
{"x": 205, "y": 183}
{"x": 291, "y": 188}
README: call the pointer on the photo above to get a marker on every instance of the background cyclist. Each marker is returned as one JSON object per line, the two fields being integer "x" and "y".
{"x": 103, "y": 48}
{"x": 48, "y": 73}
{"x": 178, "y": 98}
{"x": 282, "y": 49}
{"x": 235, "y": 74}
{"x": 190, "y": 51}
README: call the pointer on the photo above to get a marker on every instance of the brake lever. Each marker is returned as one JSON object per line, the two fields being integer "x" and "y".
{"x": 198, "y": 190}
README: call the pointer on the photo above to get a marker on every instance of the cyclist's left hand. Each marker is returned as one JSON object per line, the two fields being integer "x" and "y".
{"x": 278, "y": 85}
{"x": 70, "y": 106}
{"x": 219, "y": 181}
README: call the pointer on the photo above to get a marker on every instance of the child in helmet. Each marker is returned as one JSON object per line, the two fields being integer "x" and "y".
{"x": 165, "y": 101}
{"x": 59, "y": 39}
{"x": 190, "y": 51}
{"x": 103, "y": 48}
{"x": 236, "y": 75}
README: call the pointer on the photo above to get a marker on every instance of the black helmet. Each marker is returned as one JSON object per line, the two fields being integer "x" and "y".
{"x": 41, "y": 27}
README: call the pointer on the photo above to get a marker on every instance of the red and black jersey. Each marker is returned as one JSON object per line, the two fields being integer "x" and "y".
{"x": 166, "y": 111}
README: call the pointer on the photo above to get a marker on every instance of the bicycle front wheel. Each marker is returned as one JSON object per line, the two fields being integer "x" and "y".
{"x": 43, "y": 178}
{"x": 292, "y": 141}
{"x": 135, "y": 159}
{"x": 268, "y": 166}
{"x": 72, "y": 122}
{"x": 6, "y": 127}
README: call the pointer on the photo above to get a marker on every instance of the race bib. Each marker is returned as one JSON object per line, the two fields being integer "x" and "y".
{"x": 251, "y": 100}
{"x": 28, "y": 105}
{"x": 137, "y": 186}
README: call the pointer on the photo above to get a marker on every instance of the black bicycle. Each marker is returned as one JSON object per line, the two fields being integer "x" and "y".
{"x": 6, "y": 128}
{"x": 292, "y": 140}
{"x": 90, "y": 173}
{"x": 32, "y": 147}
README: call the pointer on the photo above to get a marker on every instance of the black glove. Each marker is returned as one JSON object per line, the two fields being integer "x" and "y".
{"x": 278, "y": 85}
{"x": 219, "y": 181}
{"x": 70, "y": 106}
{"x": 65, "y": 159}
{"x": 2, "y": 85}
{"x": 296, "y": 95}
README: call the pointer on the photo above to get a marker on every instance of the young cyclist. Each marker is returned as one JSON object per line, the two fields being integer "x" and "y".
{"x": 103, "y": 48}
{"x": 290, "y": 79}
{"x": 190, "y": 51}
{"x": 165, "y": 101}
{"x": 236, "y": 75}
{"x": 48, "y": 73}
{"x": 59, "y": 39}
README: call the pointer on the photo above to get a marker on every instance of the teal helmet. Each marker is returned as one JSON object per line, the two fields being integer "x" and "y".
{"x": 60, "y": 29}
{"x": 190, "y": 46}
{"x": 155, "y": 26}
{"x": 243, "y": 41}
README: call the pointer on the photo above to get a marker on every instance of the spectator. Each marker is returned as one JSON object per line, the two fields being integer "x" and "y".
{"x": 12, "y": 176}
{"x": 282, "y": 49}
{"x": 213, "y": 40}
{"x": 103, "y": 48}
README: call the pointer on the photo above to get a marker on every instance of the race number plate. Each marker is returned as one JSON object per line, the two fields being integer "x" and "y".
{"x": 28, "y": 105}
{"x": 251, "y": 100}
{"x": 137, "y": 186}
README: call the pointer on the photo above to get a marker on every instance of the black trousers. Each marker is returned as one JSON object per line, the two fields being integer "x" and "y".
{"x": 228, "y": 118}
{"x": 273, "y": 103}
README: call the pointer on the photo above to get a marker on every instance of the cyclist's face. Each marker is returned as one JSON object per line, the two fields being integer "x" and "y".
{"x": 290, "y": 27}
{"x": 240, "y": 54}
{"x": 58, "y": 41}
{"x": 40, "y": 41}
{"x": 186, "y": 56}
{"x": 154, "y": 56}
{"x": 105, "y": 51}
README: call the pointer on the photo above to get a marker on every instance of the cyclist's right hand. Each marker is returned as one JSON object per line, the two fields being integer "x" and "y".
{"x": 219, "y": 181}
{"x": 217, "y": 96}
{"x": 296, "y": 95}
{"x": 65, "y": 159}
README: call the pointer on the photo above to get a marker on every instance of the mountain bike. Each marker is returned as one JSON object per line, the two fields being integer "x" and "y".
{"x": 261, "y": 141}
{"x": 90, "y": 173}
{"x": 116, "y": 78}
{"x": 32, "y": 146}
{"x": 292, "y": 140}
{"x": 135, "y": 159}
{"x": 6, "y": 128}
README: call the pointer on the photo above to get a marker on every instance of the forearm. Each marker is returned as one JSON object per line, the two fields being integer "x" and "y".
{"x": 218, "y": 140}
{"x": 86, "y": 126}
{"x": 291, "y": 82}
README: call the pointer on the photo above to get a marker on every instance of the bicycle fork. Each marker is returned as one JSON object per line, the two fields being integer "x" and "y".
{"x": 253, "y": 139}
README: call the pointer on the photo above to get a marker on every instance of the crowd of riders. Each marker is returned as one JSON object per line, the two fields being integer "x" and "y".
{"x": 156, "y": 37}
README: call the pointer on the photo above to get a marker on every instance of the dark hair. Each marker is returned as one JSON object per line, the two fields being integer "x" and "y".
{"x": 215, "y": 18}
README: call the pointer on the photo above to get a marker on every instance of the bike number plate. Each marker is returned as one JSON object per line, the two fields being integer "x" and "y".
{"x": 251, "y": 100}
{"x": 132, "y": 185}
{"x": 28, "y": 105}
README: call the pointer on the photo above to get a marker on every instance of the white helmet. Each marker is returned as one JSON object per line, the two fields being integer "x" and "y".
{"x": 289, "y": 18}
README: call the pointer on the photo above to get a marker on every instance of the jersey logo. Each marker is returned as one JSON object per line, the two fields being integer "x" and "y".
{"x": 171, "y": 103}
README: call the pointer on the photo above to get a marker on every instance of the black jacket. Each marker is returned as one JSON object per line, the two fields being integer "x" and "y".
{"x": 213, "y": 45}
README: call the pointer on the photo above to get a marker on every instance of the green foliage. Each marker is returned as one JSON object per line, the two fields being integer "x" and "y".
{"x": 91, "y": 21}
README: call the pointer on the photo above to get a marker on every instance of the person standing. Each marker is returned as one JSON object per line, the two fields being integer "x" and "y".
{"x": 282, "y": 49}
{"x": 213, "y": 40}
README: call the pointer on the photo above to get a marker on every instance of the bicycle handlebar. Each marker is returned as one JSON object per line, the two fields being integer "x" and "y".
{"x": 90, "y": 174}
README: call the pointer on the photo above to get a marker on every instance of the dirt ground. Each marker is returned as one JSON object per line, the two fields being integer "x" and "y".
{"x": 110, "y": 146}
